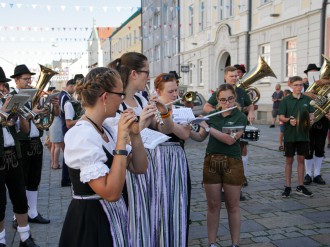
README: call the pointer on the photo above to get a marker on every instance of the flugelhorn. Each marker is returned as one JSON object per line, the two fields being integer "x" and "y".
{"x": 157, "y": 113}
{"x": 189, "y": 97}
{"x": 7, "y": 119}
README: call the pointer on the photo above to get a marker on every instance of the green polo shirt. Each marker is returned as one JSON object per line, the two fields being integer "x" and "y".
{"x": 242, "y": 98}
{"x": 236, "y": 118}
{"x": 300, "y": 109}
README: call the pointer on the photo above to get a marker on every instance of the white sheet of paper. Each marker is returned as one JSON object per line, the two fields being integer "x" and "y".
{"x": 183, "y": 115}
{"x": 28, "y": 91}
{"x": 313, "y": 76}
{"x": 18, "y": 100}
{"x": 152, "y": 138}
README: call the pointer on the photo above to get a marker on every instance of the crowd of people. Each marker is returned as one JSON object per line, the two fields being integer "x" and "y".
{"x": 125, "y": 194}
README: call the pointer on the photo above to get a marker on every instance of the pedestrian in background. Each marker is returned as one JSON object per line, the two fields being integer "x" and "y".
{"x": 280, "y": 139}
{"x": 276, "y": 98}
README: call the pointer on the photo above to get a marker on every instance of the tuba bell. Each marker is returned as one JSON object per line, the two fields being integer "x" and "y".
{"x": 46, "y": 118}
{"x": 322, "y": 102}
{"x": 258, "y": 72}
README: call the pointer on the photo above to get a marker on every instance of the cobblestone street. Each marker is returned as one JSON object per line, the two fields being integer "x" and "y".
{"x": 267, "y": 218}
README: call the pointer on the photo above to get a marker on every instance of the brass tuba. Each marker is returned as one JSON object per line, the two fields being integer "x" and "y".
{"x": 322, "y": 102}
{"x": 258, "y": 72}
{"x": 46, "y": 118}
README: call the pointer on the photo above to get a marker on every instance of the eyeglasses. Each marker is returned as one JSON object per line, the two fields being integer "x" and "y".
{"x": 230, "y": 99}
{"x": 122, "y": 95}
{"x": 144, "y": 71}
{"x": 168, "y": 77}
{"x": 297, "y": 85}
{"x": 26, "y": 79}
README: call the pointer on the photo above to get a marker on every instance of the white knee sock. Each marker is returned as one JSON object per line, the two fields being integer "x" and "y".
{"x": 317, "y": 165}
{"x": 32, "y": 197}
{"x": 245, "y": 160}
{"x": 24, "y": 232}
{"x": 3, "y": 237}
{"x": 309, "y": 166}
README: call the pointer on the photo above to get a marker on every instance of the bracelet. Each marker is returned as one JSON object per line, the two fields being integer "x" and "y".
{"x": 120, "y": 152}
{"x": 166, "y": 115}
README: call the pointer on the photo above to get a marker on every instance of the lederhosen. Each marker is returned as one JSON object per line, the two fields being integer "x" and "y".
{"x": 11, "y": 175}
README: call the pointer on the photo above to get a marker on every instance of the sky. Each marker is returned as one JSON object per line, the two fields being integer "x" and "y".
{"x": 40, "y": 31}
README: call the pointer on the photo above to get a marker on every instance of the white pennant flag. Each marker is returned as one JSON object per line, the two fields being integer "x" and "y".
{"x": 48, "y": 7}
{"x": 3, "y": 5}
{"x": 91, "y": 8}
{"x": 11, "y": 27}
{"x": 63, "y": 7}
{"x": 105, "y": 8}
{"x": 34, "y": 6}
{"x": 19, "y": 5}
{"x": 77, "y": 8}
{"x": 158, "y": 8}
{"x": 118, "y": 8}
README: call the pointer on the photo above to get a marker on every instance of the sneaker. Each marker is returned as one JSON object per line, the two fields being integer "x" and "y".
{"x": 286, "y": 192}
{"x": 301, "y": 190}
{"x": 308, "y": 180}
{"x": 319, "y": 180}
{"x": 213, "y": 245}
{"x": 272, "y": 126}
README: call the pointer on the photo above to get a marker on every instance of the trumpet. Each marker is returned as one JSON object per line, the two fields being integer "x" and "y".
{"x": 187, "y": 97}
{"x": 26, "y": 113}
{"x": 7, "y": 119}
{"x": 157, "y": 113}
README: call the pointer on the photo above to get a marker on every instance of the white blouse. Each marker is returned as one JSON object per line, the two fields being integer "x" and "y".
{"x": 84, "y": 151}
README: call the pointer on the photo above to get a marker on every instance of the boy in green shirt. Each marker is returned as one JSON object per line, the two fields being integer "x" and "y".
{"x": 297, "y": 115}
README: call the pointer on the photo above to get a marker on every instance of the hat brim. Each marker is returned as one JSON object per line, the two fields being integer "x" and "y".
{"x": 5, "y": 80}
{"x": 306, "y": 71}
{"x": 16, "y": 75}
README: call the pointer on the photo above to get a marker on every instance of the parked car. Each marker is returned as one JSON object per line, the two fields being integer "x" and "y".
{"x": 199, "y": 103}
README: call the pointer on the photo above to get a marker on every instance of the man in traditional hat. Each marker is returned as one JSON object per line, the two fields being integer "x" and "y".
{"x": 12, "y": 178}
{"x": 317, "y": 136}
{"x": 32, "y": 148}
{"x": 68, "y": 116}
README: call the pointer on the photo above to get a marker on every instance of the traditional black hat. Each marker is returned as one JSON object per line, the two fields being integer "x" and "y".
{"x": 311, "y": 66}
{"x": 3, "y": 76}
{"x": 240, "y": 67}
{"x": 175, "y": 74}
{"x": 71, "y": 82}
{"x": 20, "y": 70}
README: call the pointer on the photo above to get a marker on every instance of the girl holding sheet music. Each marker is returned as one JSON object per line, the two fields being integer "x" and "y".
{"x": 223, "y": 167}
{"x": 158, "y": 200}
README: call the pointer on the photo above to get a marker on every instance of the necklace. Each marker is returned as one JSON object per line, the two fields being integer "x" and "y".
{"x": 96, "y": 126}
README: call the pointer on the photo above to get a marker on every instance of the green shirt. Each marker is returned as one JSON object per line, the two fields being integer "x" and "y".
{"x": 236, "y": 118}
{"x": 299, "y": 109}
{"x": 242, "y": 98}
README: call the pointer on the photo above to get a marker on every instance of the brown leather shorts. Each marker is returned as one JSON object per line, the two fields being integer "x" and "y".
{"x": 221, "y": 169}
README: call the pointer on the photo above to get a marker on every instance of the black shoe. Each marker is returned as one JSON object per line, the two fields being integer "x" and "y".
{"x": 286, "y": 192}
{"x": 2, "y": 245}
{"x": 301, "y": 190}
{"x": 39, "y": 219}
{"x": 319, "y": 180}
{"x": 272, "y": 126}
{"x": 241, "y": 197}
{"x": 28, "y": 243}
{"x": 14, "y": 225}
{"x": 245, "y": 182}
{"x": 308, "y": 180}
{"x": 65, "y": 184}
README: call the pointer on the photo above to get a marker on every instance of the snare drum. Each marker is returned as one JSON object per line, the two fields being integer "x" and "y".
{"x": 251, "y": 133}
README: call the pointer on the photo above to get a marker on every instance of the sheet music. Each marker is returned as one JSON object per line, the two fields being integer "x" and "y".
{"x": 183, "y": 115}
{"x": 28, "y": 91}
{"x": 152, "y": 138}
{"x": 313, "y": 76}
{"x": 18, "y": 100}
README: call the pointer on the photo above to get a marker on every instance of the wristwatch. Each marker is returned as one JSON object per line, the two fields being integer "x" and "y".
{"x": 120, "y": 152}
{"x": 207, "y": 129}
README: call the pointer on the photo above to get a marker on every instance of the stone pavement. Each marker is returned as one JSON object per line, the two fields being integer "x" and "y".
{"x": 267, "y": 219}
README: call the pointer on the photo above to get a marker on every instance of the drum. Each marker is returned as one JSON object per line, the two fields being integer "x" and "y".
{"x": 251, "y": 133}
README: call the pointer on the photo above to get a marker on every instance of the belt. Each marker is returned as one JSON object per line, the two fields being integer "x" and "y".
{"x": 9, "y": 148}
{"x": 87, "y": 197}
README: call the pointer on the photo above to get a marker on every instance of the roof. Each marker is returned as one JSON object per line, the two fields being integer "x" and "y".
{"x": 104, "y": 33}
{"x": 139, "y": 11}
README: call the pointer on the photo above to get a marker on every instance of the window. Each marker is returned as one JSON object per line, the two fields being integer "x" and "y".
{"x": 231, "y": 8}
{"x": 190, "y": 73}
{"x": 165, "y": 15}
{"x": 156, "y": 20}
{"x": 291, "y": 57}
{"x": 200, "y": 72}
{"x": 135, "y": 36}
{"x": 264, "y": 1}
{"x": 265, "y": 53}
{"x": 157, "y": 52}
{"x": 175, "y": 46}
{"x": 174, "y": 9}
{"x": 201, "y": 15}
{"x": 220, "y": 10}
{"x": 191, "y": 20}
{"x": 150, "y": 25}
